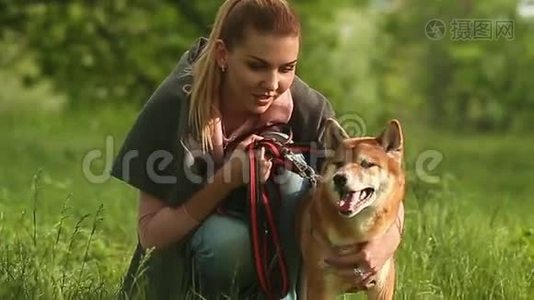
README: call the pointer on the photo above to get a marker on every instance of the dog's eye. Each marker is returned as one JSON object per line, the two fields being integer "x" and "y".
{"x": 367, "y": 164}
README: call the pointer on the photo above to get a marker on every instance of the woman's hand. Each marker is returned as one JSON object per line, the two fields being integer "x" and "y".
{"x": 236, "y": 169}
{"x": 369, "y": 257}
{"x": 265, "y": 165}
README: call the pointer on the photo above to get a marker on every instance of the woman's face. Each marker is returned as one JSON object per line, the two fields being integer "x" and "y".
{"x": 258, "y": 70}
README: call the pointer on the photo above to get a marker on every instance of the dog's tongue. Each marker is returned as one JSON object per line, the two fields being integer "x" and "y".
{"x": 344, "y": 204}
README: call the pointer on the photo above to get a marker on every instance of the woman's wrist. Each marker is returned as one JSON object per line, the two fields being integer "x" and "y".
{"x": 229, "y": 176}
{"x": 225, "y": 179}
{"x": 204, "y": 202}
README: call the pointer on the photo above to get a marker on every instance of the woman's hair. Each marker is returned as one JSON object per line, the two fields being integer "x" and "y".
{"x": 231, "y": 22}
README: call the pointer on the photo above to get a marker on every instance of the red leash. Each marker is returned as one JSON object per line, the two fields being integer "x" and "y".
{"x": 262, "y": 205}
{"x": 269, "y": 259}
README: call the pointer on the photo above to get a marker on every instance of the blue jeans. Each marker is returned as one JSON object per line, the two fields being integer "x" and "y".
{"x": 222, "y": 259}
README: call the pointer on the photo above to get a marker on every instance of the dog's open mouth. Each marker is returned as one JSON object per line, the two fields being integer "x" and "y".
{"x": 352, "y": 202}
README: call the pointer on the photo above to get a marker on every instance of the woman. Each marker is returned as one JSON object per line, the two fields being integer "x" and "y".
{"x": 241, "y": 78}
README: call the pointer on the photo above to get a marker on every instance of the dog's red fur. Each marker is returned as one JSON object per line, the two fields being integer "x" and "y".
{"x": 322, "y": 228}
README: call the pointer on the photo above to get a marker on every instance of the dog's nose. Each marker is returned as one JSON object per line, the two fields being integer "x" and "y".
{"x": 340, "y": 180}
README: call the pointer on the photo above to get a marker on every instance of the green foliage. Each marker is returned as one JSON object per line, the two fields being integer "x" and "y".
{"x": 351, "y": 46}
{"x": 468, "y": 84}
{"x": 97, "y": 51}
{"x": 18, "y": 92}
{"x": 369, "y": 57}
{"x": 54, "y": 261}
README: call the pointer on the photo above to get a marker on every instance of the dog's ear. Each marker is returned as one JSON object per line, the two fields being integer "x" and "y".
{"x": 391, "y": 139}
{"x": 332, "y": 135}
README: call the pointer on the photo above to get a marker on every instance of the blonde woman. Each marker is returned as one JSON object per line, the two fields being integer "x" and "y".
{"x": 239, "y": 79}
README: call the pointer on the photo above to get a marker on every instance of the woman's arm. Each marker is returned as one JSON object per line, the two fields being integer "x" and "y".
{"x": 160, "y": 225}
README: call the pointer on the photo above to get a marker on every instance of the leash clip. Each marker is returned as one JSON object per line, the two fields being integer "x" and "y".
{"x": 302, "y": 168}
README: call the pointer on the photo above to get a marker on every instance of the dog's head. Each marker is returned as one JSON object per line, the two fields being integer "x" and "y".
{"x": 361, "y": 172}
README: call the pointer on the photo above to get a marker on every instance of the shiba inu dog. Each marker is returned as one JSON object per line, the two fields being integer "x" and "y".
{"x": 357, "y": 200}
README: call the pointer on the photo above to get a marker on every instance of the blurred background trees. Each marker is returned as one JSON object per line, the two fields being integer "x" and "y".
{"x": 369, "y": 57}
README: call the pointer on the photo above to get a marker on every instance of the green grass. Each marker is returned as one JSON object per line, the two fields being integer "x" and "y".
{"x": 468, "y": 236}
